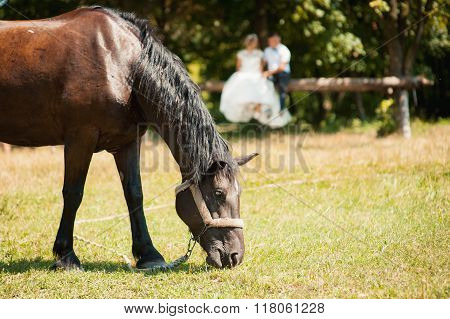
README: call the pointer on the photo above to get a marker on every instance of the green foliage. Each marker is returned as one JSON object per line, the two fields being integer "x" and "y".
{"x": 379, "y": 6}
{"x": 385, "y": 116}
{"x": 437, "y": 41}
{"x": 327, "y": 38}
{"x": 325, "y": 45}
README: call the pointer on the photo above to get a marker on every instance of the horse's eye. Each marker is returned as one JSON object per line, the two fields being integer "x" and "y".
{"x": 219, "y": 194}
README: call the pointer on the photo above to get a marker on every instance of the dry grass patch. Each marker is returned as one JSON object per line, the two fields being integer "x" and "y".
{"x": 367, "y": 218}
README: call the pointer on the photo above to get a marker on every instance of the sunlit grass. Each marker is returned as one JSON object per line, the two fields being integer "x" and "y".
{"x": 368, "y": 218}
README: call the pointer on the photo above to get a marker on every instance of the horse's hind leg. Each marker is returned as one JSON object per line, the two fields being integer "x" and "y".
{"x": 127, "y": 161}
{"x": 78, "y": 151}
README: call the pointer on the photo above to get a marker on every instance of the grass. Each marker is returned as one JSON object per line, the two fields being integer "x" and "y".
{"x": 368, "y": 218}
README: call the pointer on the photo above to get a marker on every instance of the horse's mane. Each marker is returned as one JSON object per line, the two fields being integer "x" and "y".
{"x": 163, "y": 80}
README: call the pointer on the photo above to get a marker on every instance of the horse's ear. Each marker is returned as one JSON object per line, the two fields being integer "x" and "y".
{"x": 245, "y": 159}
{"x": 216, "y": 166}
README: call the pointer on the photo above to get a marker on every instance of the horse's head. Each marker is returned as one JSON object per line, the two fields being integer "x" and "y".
{"x": 211, "y": 211}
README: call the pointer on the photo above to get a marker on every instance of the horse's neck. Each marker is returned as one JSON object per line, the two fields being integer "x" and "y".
{"x": 189, "y": 132}
{"x": 169, "y": 133}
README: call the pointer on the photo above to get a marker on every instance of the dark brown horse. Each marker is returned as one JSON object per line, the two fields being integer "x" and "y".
{"x": 95, "y": 79}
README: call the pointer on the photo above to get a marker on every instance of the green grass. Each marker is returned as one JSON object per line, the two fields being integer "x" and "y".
{"x": 370, "y": 219}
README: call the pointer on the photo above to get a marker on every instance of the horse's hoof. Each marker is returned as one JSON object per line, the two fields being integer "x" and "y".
{"x": 69, "y": 262}
{"x": 149, "y": 265}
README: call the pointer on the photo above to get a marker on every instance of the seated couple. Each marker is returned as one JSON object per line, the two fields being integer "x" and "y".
{"x": 250, "y": 92}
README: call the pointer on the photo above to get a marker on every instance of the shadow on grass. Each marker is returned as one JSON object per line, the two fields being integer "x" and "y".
{"x": 24, "y": 265}
{"x": 184, "y": 268}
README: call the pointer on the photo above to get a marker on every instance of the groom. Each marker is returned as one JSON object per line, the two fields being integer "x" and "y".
{"x": 278, "y": 56}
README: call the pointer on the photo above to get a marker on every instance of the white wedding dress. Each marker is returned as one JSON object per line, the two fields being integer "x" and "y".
{"x": 247, "y": 94}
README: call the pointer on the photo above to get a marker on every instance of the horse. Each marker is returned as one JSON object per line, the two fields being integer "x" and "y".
{"x": 96, "y": 79}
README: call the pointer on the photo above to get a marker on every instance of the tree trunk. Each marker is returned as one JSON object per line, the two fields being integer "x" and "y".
{"x": 320, "y": 115}
{"x": 402, "y": 113}
{"x": 400, "y": 95}
{"x": 261, "y": 27}
{"x": 396, "y": 51}
{"x": 360, "y": 106}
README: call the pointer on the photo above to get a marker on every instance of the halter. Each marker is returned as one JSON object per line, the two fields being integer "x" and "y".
{"x": 205, "y": 214}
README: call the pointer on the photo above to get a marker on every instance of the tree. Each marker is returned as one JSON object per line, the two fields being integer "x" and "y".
{"x": 326, "y": 37}
{"x": 403, "y": 24}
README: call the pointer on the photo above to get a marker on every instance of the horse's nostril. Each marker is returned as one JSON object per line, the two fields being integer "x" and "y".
{"x": 234, "y": 259}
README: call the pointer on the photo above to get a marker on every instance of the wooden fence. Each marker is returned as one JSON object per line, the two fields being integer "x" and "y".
{"x": 341, "y": 84}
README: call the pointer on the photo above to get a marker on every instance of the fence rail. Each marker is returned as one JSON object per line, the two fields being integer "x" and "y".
{"x": 346, "y": 84}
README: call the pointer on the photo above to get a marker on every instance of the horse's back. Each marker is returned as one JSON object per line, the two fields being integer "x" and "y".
{"x": 63, "y": 72}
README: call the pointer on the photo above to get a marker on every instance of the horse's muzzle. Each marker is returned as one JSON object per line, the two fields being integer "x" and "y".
{"x": 220, "y": 258}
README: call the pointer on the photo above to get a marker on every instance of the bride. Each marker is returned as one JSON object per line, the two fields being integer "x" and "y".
{"x": 248, "y": 94}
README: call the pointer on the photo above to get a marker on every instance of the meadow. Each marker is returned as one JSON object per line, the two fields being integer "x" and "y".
{"x": 349, "y": 216}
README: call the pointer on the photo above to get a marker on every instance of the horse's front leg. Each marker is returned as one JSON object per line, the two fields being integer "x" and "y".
{"x": 78, "y": 149}
{"x": 127, "y": 161}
